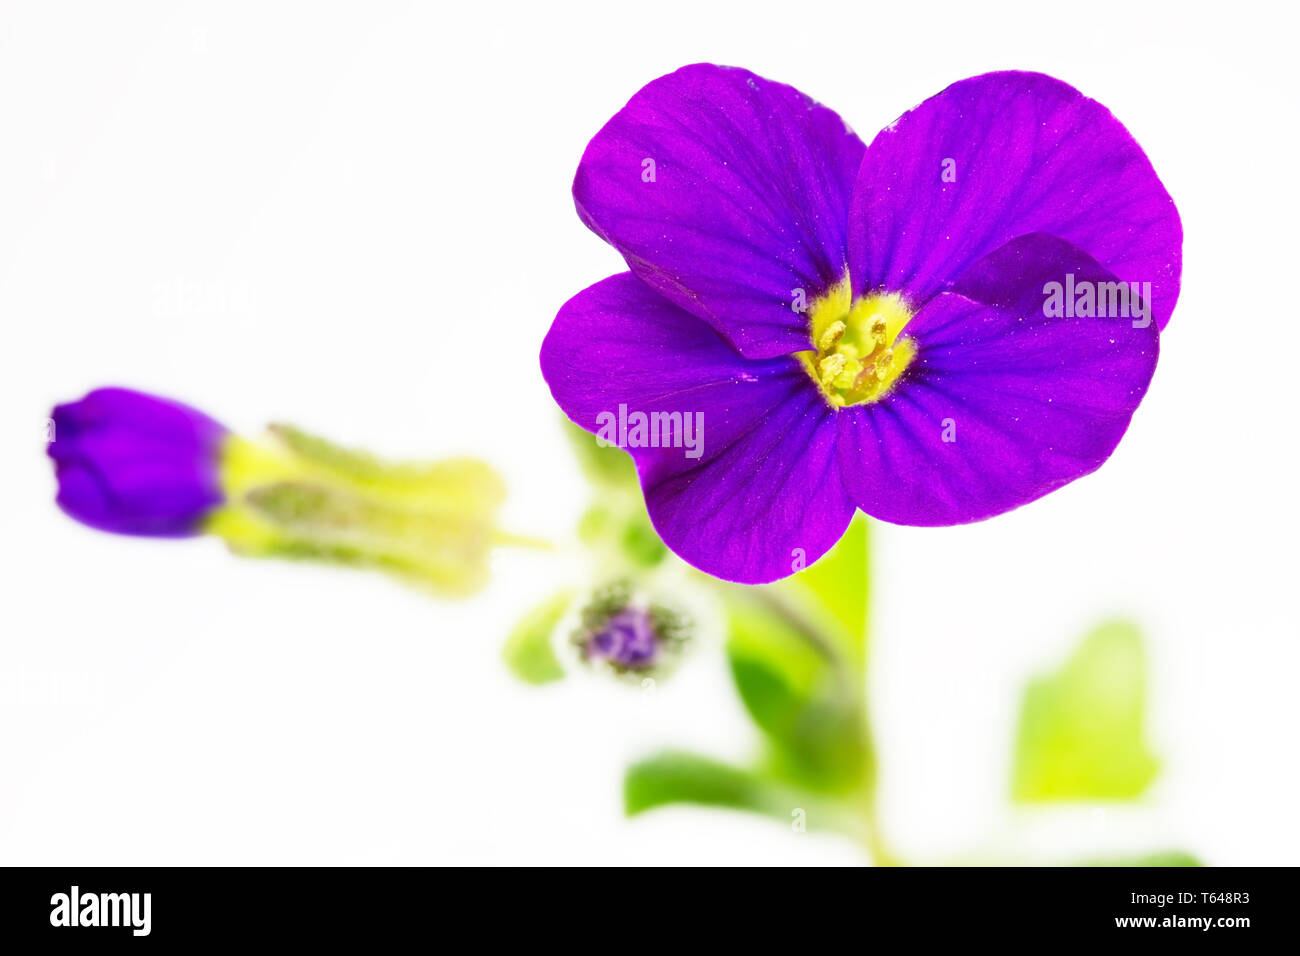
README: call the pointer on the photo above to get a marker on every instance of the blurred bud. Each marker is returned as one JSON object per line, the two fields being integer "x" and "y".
{"x": 132, "y": 463}
{"x": 630, "y": 634}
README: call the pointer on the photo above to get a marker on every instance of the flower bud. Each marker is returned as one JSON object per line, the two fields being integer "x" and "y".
{"x": 132, "y": 463}
{"x": 627, "y": 634}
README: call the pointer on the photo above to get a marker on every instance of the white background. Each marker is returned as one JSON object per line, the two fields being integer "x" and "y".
{"x": 356, "y": 217}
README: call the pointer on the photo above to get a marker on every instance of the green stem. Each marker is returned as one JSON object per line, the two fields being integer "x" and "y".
{"x": 875, "y": 841}
{"x": 872, "y": 835}
{"x": 876, "y": 844}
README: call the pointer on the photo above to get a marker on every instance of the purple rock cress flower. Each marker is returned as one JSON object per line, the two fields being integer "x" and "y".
{"x": 863, "y": 327}
{"x": 132, "y": 463}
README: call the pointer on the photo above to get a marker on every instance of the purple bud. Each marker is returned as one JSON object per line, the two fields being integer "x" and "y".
{"x": 131, "y": 463}
{"x": 628, "y": 635}
{"x": 627, "y": 640}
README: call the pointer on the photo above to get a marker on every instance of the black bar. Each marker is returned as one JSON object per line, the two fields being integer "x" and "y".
{"x": 376, "y": 906}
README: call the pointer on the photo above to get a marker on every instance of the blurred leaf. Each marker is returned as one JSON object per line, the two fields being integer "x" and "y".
{"x": 641, "y": 543}
{"x": 770, "y": 700}
{"x": 678, "y": 777}
{"x": 833, "y": 592}
{"x": 1081, "y": 729}
{"x": 596, "y": 523}
{"x": 529, "y": 651}
{"x": 761, "y": 632}
{"x": 1162, "y": 858}
{"x": 787, "y": 682}
{"x": 608, "y": 466}
{"x": 827, "y": 751}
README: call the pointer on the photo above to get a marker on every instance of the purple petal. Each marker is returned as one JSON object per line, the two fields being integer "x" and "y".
{"x": 765, "y": 493}
{"x": 1027, "y": 403}
{"x": 132, "y": 463}
{"x": 1031, "y": 155}
{"x": 749, "y": 201}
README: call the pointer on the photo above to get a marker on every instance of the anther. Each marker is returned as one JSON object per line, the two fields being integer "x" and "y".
{"x": 883, "y": 361}
{"x": 831, "y": 366}
{"x": 832, "y": 335}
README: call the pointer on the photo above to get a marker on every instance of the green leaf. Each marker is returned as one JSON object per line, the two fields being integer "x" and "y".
{"x": 832, "y": 593}
{"x": 679, "y": 777}
{"x": 766, "y": 694}
{"x": 809, "y": 709}
{"x": 529, "y": 651}
{"x": 1081, "y": 734}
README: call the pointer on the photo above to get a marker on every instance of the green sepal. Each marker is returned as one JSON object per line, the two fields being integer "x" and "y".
{"x": 299, "y": 496}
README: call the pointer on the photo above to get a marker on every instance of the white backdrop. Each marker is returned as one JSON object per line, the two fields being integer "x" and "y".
{"x": 356, "y": 217}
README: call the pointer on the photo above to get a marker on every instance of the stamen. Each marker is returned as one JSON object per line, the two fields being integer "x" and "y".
{"x": 858, "y": 349}
{"x": 831, "y": 366}
{"x": 831, "y": 336}
{"x": 883, "y": 361}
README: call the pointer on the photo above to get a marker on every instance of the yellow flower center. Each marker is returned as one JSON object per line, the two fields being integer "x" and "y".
{"x": 859, "y": 354}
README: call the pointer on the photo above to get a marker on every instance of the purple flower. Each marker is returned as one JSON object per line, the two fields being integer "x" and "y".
{"x": 132, "y": 463}
{"x": 901, "y": 328}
